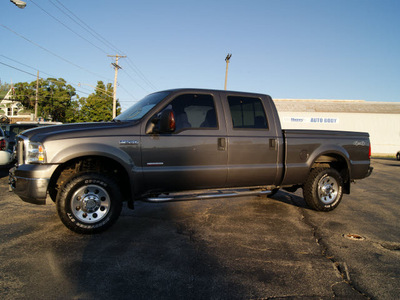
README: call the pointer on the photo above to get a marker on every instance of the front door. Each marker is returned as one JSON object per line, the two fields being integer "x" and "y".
{"x": 194, "y": 156}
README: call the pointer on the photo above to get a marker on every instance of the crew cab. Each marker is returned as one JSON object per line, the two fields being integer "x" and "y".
{"x": 183, "y": 144}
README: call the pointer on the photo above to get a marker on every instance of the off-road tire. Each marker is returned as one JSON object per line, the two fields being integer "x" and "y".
{"x": 323, "y": 189}
{"x": 89, "y": 203}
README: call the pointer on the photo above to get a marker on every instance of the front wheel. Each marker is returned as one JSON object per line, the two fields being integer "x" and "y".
{"x": 323, "y": 189}
{"x": 89, "y": 203}
{"x": 398, "y": 155}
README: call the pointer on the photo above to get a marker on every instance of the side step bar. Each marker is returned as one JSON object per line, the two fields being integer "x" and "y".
{"x": 210, "y": 194}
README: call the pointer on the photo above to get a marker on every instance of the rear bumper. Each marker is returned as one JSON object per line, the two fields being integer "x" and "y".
{"x": 30, "y": 182}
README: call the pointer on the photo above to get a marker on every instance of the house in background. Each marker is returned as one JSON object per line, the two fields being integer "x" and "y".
{"x": 13, "y": 110}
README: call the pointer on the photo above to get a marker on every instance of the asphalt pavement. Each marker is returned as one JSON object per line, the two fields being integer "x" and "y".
{"x": 236, "y": 248}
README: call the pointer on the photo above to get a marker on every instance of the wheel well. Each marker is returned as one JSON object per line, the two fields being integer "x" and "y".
{"x": 97, "y": 164}
{"x": 338, "y": 163}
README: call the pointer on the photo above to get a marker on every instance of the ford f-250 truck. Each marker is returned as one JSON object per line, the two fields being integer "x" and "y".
{"x": 183, "y": 144}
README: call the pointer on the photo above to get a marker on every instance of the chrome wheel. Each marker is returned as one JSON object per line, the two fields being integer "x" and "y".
{"x": 328, "y": 189}
{"x": 90, "y": 203}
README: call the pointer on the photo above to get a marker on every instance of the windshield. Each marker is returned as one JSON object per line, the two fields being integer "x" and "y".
{"x": 138, "y": 110}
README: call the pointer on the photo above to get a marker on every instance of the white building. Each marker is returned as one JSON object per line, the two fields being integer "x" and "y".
{"x": 13, "y": 110}
{"x": 380, "y": 119}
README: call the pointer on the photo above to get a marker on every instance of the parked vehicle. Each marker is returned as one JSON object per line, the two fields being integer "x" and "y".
{"x": 183, "y": 144}
{"x": 11, "y": 131}
{"x": 5, "y": 155}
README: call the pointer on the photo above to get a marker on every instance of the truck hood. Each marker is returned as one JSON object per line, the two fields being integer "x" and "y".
{"x": 78, "y": 130}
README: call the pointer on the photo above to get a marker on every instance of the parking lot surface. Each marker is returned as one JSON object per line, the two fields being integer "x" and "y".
{"x": 236, "y": 248}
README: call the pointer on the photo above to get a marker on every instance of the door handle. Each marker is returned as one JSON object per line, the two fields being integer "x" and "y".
{"x": 222, "y": 144}
{"x": 272, "y": 144}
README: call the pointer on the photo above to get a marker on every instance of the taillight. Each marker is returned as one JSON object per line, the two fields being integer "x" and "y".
{"x": 2, "y": 145}
{"x": 369, "y": 152}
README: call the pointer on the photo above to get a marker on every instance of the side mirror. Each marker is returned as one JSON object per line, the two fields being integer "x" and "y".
{"x": 164, "y": 123}
{"x": 167, "y": 121}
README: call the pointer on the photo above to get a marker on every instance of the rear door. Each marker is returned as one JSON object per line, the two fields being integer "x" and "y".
{"x": 195, "y": 155}
{"x": 252, "y": 141}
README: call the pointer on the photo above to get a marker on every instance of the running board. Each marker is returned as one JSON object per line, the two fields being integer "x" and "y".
{"x": 210, "y": 194}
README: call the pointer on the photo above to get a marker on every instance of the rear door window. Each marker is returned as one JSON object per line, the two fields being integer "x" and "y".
{"x": 247, "y": 113}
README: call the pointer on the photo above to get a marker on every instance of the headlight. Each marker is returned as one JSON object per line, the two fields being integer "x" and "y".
{"x": 35, "y": 153}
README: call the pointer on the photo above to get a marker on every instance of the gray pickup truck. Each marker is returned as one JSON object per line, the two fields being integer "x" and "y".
{"x": 183, "y": 144}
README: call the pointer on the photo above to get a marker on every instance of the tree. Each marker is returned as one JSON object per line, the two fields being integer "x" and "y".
{"x": 4, "y": 88}
{"x": 55, "y": 98}
{"x": 58, "y": 100}
{"x": 98, "y": 106}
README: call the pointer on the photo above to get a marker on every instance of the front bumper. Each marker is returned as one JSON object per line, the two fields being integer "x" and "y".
{"x": 30, "y": 182}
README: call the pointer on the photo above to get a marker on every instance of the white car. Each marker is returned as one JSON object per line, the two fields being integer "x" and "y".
{"x": 5, "y": 154}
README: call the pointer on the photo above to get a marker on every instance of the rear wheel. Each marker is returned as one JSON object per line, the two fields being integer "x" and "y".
{"x": 89, "y": 203}
{"x": 323, "y": 189}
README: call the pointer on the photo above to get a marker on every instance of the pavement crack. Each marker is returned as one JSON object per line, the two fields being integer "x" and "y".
{"x": 340, "y": 268}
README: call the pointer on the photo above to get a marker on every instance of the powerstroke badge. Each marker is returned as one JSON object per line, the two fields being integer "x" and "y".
{"x": 129, "y": 142}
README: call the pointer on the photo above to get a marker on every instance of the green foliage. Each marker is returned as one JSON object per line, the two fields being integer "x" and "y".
{"x": 98, "y": 106}
{"x": 54, "y": 97}
{"x": 58, "y": 100}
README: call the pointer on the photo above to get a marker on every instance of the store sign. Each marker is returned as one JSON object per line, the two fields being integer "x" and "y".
{"x": 312, "y": 120}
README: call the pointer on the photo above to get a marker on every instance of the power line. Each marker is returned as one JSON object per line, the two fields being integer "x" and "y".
{"x": 18, "y": 62}
{"x": 17, "y": 69}
{"x": 93, "y": 33}
{"x": 85, "y": 26}
{"x": 135, "y": 81}
{"x": 52, "y": 53}
{"x": 141, "y": 75}
{"x": 127, "y": 92}
{"x": 49, "y": 79}
{"x": 50, "y": 15}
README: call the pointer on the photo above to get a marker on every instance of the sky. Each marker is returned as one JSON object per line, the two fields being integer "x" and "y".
{"x": 289, "y": 49}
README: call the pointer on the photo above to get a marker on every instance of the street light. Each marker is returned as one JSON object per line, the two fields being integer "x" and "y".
{"x": 19, "y": 3}
{"x": 228, "y": 57}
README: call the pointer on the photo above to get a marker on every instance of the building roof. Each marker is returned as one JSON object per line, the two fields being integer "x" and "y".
{"x": 343, "y": 106}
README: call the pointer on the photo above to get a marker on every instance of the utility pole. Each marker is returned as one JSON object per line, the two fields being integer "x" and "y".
{"x": 37, "y": 95}
{"x": 228, "y": 57}
{"x": 116, "y": 67}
